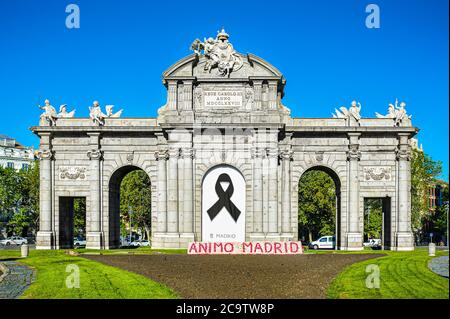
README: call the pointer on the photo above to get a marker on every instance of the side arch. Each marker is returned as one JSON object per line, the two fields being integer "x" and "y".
{"x": 338, "y": 193}
{"x": 113, "y": 198}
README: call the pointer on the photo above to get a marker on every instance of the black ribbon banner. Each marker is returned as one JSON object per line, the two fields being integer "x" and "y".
{"x": 224, "y": 199}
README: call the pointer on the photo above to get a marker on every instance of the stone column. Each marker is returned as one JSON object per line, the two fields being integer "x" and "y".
{"x": 172, "y": 95}
{"x": 94, "y": 235}
{"x": 172, "y": 191}
{"x": 188, "y": 95}
{"x": 257, "y": 87}
{"x": 273, "y": 95}
{"x": 404, "y": 236}
{"x": 354, "y": 234}
{"x": 45, "y": 238}
{"x": 272, "y": 154}
{"x": 161, "y": 157}
{"x": 187, "y": 235}
{"x": 257, "y": 195}
{"x": 286, "y": 156}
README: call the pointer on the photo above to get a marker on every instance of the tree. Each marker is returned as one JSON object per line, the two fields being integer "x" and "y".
{"x": 79, "y": 217}
{"x": 373, "y": 218}
{"x": 135, "y": 193}
{"x": 424, "y": 172}
{"x": 316, "y": 205}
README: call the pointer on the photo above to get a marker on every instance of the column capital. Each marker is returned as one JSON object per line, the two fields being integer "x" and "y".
{"x": 286, "y": 155}
{"x": 95, "y": 154}
{"x": 272, "y": 152}
{"x": 257, "y": 152}
{"x": 45, "y": 154}
{"x": 161, "y": 155}
{"x": 187, "y": 153}
{"x": 173, "y": 152}
{"x": 403, "y": 154}
{"x": 353, "y": 152}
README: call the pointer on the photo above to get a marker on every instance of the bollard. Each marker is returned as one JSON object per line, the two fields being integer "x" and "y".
{"x": 24, "y": 250}
{"x": 432, "y": 249}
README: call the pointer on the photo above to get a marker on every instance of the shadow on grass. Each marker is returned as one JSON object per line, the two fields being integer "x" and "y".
{"x": 10, "y": 259}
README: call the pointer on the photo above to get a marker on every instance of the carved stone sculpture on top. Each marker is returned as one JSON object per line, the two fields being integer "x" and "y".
{"x": 219, "y": 54}
{"x": 96, "y": 114}
{"x": 353, "y": 113}
{"x": 49, "y": 113}
{"x": 109, "y": 111}
{"x": 397, "y": 113}
{"x": 63, "y": 112}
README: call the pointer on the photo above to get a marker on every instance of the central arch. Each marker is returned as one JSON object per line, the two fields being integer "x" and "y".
{"x": 114, "y": 202}
{"x": 223, "y": 205}
{"x": 337, "y": 184}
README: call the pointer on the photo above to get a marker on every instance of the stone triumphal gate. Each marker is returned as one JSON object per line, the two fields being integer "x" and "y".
{"x": 224, "y": 122}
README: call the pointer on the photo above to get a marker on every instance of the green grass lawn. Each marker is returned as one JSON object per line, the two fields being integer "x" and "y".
{"x": 402, "y": 275}
{"x": 96, "y": 280}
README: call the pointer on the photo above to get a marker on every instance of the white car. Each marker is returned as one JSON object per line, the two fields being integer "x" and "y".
{"x": 374, "y": 243}
{"x": 139, "y": 243}
{"x": 79, "y": 242}
{"x": 324, "y": 242}
{"x": 14, "y": 240}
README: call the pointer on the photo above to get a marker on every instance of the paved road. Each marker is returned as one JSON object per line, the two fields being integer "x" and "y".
{"x": 239, "y": 276}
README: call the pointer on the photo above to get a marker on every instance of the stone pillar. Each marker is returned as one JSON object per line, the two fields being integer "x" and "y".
{"x": 257, "y": 87}
{"x": 188, "y": 196}
{"x": 286, "y": 156}
{"x": 354, "y": 233}
{"x": 272, "y": 154}
{"x": 273, "y": 95}
{"x": 265, "y": 190}
{"x": 187, "y": 95}
{"x": 404, "y": 236}
{"x": 161, "y": 157}
{"x": 180, "y": 97}
{"x": 172, "y": 95}
{"x": 172, "y": 191}
{"x": 45, "y": 237}
{"x": 94, "y": 234}
{"x": 257, "y": 195}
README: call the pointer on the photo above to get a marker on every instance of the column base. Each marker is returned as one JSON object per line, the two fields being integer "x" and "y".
{"x": 404, "y": 241}
{"x": 186, "y": 238}
{"x": 354, "y": 241}
{"x": 167, "y": 241}
{"x": 286, "y": 237}
{"x": 94, "y": 240}
{"x": 257, "y": 237}
{"x": 45, "y": 240}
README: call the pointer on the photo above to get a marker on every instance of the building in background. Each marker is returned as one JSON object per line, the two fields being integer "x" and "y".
{"x": 14, "y": 154}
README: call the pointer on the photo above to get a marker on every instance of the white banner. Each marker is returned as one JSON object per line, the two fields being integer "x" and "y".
{"x": 223, "y": 205}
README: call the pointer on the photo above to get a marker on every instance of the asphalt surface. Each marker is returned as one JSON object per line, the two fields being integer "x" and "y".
{"x": 239, "y": 276}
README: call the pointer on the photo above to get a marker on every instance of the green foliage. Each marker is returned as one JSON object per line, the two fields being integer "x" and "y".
{"x": 79, "y": 217}
{"x": 19, "y": 195}
{"x": 373, "y": 217}
{"x": 316, "y": 205}
{"x": 135, "y": 194}
{"x": 424, "y": 172}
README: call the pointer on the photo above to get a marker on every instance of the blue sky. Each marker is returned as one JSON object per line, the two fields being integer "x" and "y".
{"x": 323, "y": 48}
